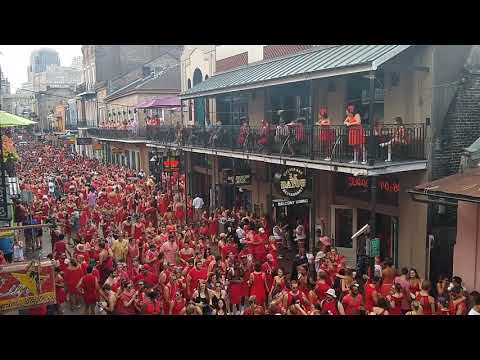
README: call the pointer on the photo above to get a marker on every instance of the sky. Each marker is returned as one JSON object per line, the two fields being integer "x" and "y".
{"x": 14, "y": 60}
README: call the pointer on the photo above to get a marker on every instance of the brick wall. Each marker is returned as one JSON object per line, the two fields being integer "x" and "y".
{"x": 461, "y": 128}
{"x": 231, "y": 62}
{"x": 274, "y": 51}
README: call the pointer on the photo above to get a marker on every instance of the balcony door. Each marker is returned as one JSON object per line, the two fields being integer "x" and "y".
{"x": 344, "y": 225}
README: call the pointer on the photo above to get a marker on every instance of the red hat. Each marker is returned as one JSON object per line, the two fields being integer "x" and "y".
{"x": 323, "y": 111}
{"x": 351, "y": 108}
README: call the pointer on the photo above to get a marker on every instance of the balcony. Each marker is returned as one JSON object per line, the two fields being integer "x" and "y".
{"x": 119, "y": 134}
{"x": 336, "y": 143}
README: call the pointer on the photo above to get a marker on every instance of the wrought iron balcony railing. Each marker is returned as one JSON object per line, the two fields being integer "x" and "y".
{"x": 336, "y": 143}
{"x": 139, "y": 133}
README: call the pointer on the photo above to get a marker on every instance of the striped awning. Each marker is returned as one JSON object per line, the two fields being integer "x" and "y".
{"x": 310, "y": 64}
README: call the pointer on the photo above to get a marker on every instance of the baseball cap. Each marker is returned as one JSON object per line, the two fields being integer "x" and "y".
{"x": 331, "y": 292}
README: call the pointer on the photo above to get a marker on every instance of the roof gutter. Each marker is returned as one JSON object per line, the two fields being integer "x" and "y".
{"x": 439, "y": 198}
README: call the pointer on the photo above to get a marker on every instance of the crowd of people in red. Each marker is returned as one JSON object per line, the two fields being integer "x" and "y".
{"x": 122, "y": 246}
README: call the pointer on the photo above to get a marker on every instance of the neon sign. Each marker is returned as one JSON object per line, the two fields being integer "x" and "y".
{"x": 363, "y": 182}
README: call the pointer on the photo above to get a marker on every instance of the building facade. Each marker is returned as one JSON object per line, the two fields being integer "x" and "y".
{"x": 42, "y": 58}
{"x": 383, "y": 83}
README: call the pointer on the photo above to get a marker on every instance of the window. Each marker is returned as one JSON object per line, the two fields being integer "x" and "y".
{"x": 134, "y": 160}
{"x": 127, "y": 158}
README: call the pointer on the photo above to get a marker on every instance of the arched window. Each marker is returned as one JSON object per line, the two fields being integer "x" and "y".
{"x": 189, "y": 83}
{"x": 197, "y": 76}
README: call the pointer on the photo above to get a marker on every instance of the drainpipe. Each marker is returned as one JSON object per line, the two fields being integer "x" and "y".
{"x": 372, "y": 145}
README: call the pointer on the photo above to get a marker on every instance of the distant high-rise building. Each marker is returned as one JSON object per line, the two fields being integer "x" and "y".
{"x": 40, "y": 59}
{"x": 77, "y": 62}
{"x": 5, "y": 85}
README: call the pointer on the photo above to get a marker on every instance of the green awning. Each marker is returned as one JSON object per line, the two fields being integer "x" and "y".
{"x": 10, "y": 120}
{"x": 310, "y": 64}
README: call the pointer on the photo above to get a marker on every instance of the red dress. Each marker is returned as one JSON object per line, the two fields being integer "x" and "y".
{"x": 453, "y": 307}
{"x": 356, "y": 133}
{"x": 179, "y": 212}
{"x": 397, "y": 309}
{"x": 90, "y": 295}
{"x": 178, "y": 306}
{"x": 60, "y": 291}
{"x": 258, "y": 287}
{"x": 368, "y": 297}
{"x": 423, "y": 299}
{"x": 72, "y": 278}
{"x": 213, "y": 227}
{"x": 351, "y": 304}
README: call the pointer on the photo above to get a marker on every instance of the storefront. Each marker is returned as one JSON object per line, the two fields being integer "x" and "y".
{"x": 291, "y": 196}
{"x": 351, "y": 211}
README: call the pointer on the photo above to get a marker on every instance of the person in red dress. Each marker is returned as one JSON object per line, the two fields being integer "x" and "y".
{"x": 371, "y": 293}
{"x": 258, "y": 285}
{"x": 133, "y": 251}
{"x": 425, "y": 299}
{"x": 321, "y": 286}
{"x": 327, "y": 134}
{"x": 177, "y": 305}
{"x": 89, "y": 288}
{"x": 458, "y": 302}
{"x": 59, "y": 290}
{"x": 396, "y": 299}
{"x": 235, "y": 287}
{"x": 194, "y": 276}
{"x": 268, "y": 269}
{"x": 125, "y": 300}
{"x": 356, "y": 133}
{"x": 72, "y": 277}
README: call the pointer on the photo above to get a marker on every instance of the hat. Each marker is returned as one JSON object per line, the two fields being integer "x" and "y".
{"x": 354, "y": 285}
{"x": 223, "y": 235}
{"x": 331, "y": 292}
{"x": 261, "y": 230}
{"x": 80, "y": 248}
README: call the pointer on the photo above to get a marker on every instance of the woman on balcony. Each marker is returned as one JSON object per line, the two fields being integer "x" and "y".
{"x": 356, "y": 133}
{"x": 243, "y": 137}
{"x": 327, "y": 135}
{"x": 263, "y": 134}
{"x": 398, "y": 140}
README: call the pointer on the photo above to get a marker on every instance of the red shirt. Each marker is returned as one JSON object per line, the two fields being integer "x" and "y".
{"x": 321, "y": 289}
{"x": 351, "y": 304}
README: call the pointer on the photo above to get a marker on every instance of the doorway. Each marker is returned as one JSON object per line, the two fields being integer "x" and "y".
{"x": 344, "y": 225}
{"x": 387, "y": 232}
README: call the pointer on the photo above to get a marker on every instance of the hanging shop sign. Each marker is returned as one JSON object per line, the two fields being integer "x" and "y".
{"x": 293, "y": 181}
{"x": 241, "y": 178}
{"x": 84, "y": 141}
{"x": 374, "y": 248}
{"x": 171, "y": 164}
{"x": 280, "y": 203}
{"x": 24, "y": 285}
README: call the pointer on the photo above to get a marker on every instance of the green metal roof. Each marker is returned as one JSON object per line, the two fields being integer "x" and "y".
{"x": 310, "y": 64}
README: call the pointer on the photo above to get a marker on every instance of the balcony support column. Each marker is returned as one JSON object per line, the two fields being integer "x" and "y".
{"x": 372, "y": 146}
{"x": 313, "y": 114}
